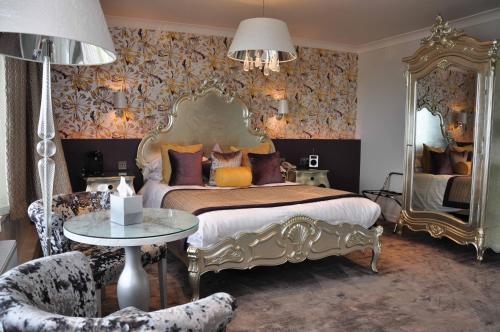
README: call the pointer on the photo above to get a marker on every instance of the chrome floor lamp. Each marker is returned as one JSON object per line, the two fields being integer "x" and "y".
{"x": 64, "y": 32}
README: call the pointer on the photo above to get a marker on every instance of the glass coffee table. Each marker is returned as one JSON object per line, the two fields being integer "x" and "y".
{"x": 159, "y": 227}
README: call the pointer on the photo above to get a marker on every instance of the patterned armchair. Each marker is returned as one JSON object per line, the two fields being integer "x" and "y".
{"x": 57, "y": 293}
{"x": 106, "y": 262}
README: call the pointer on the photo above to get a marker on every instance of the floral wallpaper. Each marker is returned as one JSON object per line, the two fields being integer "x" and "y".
{"x": 452, "y": 92}
{"x": 155, "y": 67}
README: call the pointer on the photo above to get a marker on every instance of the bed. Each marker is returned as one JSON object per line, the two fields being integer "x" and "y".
{"x": 441, "y": 192}
{"x": 241, "y": 228}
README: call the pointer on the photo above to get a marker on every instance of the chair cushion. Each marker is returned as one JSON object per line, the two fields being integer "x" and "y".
{"x": 107, "y": 263}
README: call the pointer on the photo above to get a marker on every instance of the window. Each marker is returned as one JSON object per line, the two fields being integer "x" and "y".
{"x": 4, "y": 198}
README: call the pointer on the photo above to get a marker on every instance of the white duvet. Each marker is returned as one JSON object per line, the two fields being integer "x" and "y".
{"x": 217, "y": 225}
{"x": 428, "y": 192}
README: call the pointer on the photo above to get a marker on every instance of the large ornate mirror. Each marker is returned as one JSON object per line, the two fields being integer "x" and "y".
{"x": 448, "y": 132}
{"x": 444, "y": 141}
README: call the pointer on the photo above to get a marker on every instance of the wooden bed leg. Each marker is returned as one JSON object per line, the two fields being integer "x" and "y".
{"x": 376, "y": 248}
{"x": 194, "y": 273}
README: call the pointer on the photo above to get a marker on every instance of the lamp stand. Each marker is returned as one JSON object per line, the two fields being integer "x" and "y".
{"x": 46, "y": 147}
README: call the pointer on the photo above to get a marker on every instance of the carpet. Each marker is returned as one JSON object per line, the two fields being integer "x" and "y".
{"x": 424, "y": 284}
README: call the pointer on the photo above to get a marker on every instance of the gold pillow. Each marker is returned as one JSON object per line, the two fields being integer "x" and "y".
{"x": 426, "y": 157}
{"x": 462, "y": 168}
{"x": 262, "y": 148}
{"x": 233, "y": 177}
{"x": 165, "y": 159}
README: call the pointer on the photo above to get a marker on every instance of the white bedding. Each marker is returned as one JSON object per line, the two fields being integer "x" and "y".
{"x": 428, "y": 192}
{"x": 217, "y": 225}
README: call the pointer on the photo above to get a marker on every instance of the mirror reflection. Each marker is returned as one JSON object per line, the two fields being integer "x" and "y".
{"x": 444, "y": 141}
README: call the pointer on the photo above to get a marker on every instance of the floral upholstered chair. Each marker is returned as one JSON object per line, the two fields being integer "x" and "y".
{"x": 57, "y": 293}
{"x": 106, "y": 262}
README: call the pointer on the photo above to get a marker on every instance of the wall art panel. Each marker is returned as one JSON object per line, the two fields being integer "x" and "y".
{"x": 155, "y": 67}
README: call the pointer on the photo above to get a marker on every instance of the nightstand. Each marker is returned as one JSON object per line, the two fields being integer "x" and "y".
{"x": 107, "y": 183}
{"x": 312, "y": 177}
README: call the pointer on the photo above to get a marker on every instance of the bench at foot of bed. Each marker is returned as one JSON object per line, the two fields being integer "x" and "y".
{"x": 295, "y": 240}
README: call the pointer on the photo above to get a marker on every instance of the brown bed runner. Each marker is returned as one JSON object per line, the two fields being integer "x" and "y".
{"x": 198, "y": 201}
{"x": 457, "y": 193}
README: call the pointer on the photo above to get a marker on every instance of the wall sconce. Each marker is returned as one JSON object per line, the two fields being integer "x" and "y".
{"x": 282, "y": 108}
{"x": 120, "y": 101}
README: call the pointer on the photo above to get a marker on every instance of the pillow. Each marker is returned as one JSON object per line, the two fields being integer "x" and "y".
{"x": 426, "y": 157}
{"x": 266, "y": 168}
{"x": 186, "y": 168}
{"x": 263, "y": 148}
{"x": 217, "y": 148}
{"x": 219, "y": 160}
{"x": 440, "y": 162}
{"x": 457, "y": 158}
{"x": 153, "y": 170}
{"x": 166, "y": 167}
{"x": 463, "y": 168}
{"x": 233, "y": 177}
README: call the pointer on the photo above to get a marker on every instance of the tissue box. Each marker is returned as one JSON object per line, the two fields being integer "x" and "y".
{"x": 126, "y": 210}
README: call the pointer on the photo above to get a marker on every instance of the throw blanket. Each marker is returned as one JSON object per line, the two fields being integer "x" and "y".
{"x": 198, "y": 201}
{"x": 457, "y": 194}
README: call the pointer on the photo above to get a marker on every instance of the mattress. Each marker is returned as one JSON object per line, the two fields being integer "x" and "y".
{"x": 216, "y": 225}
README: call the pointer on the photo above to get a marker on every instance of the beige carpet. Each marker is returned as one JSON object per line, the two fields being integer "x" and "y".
{"x": 424, "y": 284}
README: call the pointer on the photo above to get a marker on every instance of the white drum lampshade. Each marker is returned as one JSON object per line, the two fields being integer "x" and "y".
{"x": 64, "y": 32}
{"x": 76, "y": 28}
{"x": 259, "y": 41}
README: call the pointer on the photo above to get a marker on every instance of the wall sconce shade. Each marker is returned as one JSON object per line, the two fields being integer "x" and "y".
{"x": 282, "y": 108}
{"x": 120, "y": 100}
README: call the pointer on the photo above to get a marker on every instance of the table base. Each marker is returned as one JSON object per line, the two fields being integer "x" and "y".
{"x": 133, "y": 284}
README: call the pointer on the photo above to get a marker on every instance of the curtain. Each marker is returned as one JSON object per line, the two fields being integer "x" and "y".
{"x": 23, "y": 90}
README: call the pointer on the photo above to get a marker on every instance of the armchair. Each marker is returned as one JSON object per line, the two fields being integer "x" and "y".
{"x": 57, "y": 293}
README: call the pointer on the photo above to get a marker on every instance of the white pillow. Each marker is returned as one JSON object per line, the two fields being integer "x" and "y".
{"x": 153, "y": 170}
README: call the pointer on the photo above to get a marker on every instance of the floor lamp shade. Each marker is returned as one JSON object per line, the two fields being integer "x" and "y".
{"x": 64, "y": 32}
{"x": 76, "y": 29}
{"x": 262, "y": 33}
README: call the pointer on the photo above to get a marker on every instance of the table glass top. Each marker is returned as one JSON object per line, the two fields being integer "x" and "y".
{"x": 157, "y": 222}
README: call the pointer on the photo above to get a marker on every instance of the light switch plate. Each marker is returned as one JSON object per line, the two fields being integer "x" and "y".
{"x": 122, "y": 165}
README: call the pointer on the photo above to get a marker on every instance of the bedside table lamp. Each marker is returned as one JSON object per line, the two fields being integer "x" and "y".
{"x": 63, "y": 32}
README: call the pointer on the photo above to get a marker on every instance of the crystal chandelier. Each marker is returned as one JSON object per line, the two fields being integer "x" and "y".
{"x": 262, "y": 43}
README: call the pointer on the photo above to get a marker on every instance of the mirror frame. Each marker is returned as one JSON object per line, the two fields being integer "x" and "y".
{"x": 443, "y": 48}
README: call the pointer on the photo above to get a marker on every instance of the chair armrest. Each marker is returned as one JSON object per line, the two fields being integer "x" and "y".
{"x": 212, "y": 313}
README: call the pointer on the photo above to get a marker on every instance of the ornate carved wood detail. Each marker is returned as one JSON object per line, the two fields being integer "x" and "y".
{"x": 295, "y": 240}
{"x": 442, "y": 34}
{"x": 440, "y": 228}
{"x": 446, "y": 46}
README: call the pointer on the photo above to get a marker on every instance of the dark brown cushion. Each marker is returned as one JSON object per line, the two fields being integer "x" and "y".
{"x": 441, "y": 162}
{"x": 186, "y": 168}
{"x": 265, "y": 168}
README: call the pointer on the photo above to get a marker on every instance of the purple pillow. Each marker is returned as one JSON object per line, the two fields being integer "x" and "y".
{"x": 186, "y": 168}
{"x": 266, "y": 168}
{"x": 441, "y": 162}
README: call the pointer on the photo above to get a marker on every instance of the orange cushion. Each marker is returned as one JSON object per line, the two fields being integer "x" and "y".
{"x": 233, "y": 177}
{"x": 263, "y": 148}
{"x": 165, "y": 159}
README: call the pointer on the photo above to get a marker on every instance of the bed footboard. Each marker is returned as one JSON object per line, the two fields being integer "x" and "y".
{"x": 295, "y": 240}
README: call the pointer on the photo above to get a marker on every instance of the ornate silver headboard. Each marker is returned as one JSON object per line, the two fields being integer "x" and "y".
{"x": 210, "y": 115}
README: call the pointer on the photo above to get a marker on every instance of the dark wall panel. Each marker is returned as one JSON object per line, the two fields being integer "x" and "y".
{"x": 341, "y": 157}
{"x": 113, "y": 150}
